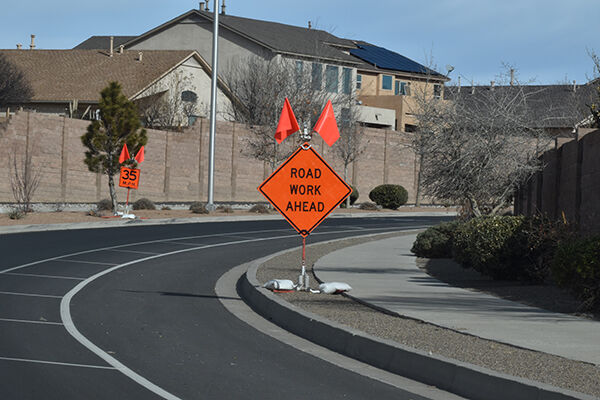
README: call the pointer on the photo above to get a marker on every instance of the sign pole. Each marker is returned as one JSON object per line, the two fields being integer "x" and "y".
{"x": 127, "y": 203}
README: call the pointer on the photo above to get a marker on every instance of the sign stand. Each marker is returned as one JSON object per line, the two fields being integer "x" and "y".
{"x": 305, "y": 189}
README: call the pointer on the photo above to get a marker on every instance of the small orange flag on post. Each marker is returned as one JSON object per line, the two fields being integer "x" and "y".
{"x": 287, "y": 123}
{"x": 139, "y": 157}
{"x": 326, "y": 125}
{"x": 124, "y": 154}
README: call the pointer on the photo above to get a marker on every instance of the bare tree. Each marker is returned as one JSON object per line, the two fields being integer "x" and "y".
{"x": 170, "y": 104}
{"x": 480, "y": 146}
{"x": 24, "y": 177}
{"x": 351, "y": 144}
{"x": 259, "y": 88}
{"x": 14, "y": 86}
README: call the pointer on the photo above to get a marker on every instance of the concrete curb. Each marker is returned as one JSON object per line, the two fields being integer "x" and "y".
{"x": 121, "y": 223}
{"x": 454, "y": 376}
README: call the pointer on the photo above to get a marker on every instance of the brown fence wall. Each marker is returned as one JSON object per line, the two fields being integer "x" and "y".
{"x": 569, "y": 183}
{"x": 176, "y": 164}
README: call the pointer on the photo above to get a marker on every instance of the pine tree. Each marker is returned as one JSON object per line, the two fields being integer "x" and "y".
{"x": 119, "y": 123}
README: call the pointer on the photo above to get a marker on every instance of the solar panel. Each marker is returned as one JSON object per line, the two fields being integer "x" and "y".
{"x": 386, "y": 59}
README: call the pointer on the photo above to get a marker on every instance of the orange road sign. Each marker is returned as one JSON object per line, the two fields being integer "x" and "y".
{"x": 129, "y": 178}
{"x": 305, "y": 189}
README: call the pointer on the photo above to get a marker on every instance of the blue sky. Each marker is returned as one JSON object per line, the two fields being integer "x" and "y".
{"x": 545, "y": 40}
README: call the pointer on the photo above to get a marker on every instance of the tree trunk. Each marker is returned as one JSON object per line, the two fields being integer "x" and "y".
{"x": 419, "y": 179}
{"x": 346, "y": 180}
{"x": 113, "y": 193}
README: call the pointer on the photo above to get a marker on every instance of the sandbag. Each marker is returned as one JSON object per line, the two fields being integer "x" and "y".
{"x": 279, "y": 284}
{"x": 334, "y": 287}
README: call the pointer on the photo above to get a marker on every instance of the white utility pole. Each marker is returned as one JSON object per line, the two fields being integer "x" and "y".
{"x": 213, "y": 109}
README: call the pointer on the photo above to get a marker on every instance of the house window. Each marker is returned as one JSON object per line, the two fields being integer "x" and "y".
{"x": 317, "y": 76}
{"x": 437, "y": 91}
{"x": 358, "y": 81}
{"x": 189, "y": 96}
{"x": 402, "y": 88}
{"x": 386, "y": 82}
{"x": 331, "y": 78}
{"x": 346, "y": 80}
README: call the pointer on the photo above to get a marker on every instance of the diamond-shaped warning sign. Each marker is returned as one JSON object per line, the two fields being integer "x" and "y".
{"x": 305, "y": 189}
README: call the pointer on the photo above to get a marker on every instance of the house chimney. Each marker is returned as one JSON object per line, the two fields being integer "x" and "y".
{"x": 32, "y": 45}
{"x": 492, "y": 85}
{"x": 206, "y": 6}
{"x": 309, "y": 25}
{"x": 472, "y": 88}
{"x": 121, "y": 47}
{"x": 223, "y": 8}
{"x": 574, "y": 85}
{"x": 458, "y": 85}
{"x": 512, "y": 77}
{"x": 19, "y": 46}
{"x": 112, "y": 44}
{"x": 201, "y": 8}
{"x": 140, "y": 55}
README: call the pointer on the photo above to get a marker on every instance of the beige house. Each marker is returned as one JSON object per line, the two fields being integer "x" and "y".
{"x": 391, "y": 81}
{"x": 69, "y": 82}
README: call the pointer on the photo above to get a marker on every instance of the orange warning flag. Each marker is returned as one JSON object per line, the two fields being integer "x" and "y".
{"x": 326, "y": 125}
{"x": 139, "y": 157}
{"x": 124, "y": 154}
{"x": 287, "y": 123}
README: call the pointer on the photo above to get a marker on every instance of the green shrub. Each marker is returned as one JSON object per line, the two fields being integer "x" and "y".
{"x": 436, "y": 242}
{"x": 104, "y": 205}
{"x": 144, "y": 204}
{"x": 259, "y": 209}
{"x": 16, "y": 213}
{"x": 576, "y": 265}
{"x": 198, "y": 208}
{"x": 528, "y": 253}
{"x": 353, "y": 197}
{"x": 368, "y": 206}
{"x": 225, "y": 209}
{"x": 389, "y": 196}
{"x": 478, "y": 244}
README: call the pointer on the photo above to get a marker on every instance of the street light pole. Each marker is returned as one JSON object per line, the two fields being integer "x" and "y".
{"x": 213, "y": 109}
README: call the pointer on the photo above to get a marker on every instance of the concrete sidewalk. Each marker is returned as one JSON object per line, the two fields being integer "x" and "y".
{"x": 384, "y": 273}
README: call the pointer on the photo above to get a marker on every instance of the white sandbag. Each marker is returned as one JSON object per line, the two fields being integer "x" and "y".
{"x": 279, "y": 284}
{"x": 334, "y": 287}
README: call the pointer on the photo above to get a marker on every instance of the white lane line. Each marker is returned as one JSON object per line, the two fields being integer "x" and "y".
{"x": 88, "y": 262}
{"x": 134, "y": 251}
{"x": 25, "y": 321}
{"x": 129, "y": 245}
{"x": 65, "y": 311}
{"x": 55, "y": 363}
{"x": 184, "y": 244}
{"x": 43, "y": 276}
{"x": 31, "y": 295}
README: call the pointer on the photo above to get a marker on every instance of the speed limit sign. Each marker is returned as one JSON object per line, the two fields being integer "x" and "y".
{"x": 129, "y": 178}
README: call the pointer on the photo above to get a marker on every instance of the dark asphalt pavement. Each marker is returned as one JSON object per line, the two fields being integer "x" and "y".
{"x": 159, "y": 317}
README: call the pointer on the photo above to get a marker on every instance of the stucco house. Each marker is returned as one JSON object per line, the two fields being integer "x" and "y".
{"x": 69, "y": 82}
{"x": 335, "y": 64}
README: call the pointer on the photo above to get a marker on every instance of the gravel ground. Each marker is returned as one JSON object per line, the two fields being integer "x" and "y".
{"x": 553, "y": 370}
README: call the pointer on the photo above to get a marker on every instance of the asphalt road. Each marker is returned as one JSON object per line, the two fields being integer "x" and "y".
{"x": 141, "y": 299}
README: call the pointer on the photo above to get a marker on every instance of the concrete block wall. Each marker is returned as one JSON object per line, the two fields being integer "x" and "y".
{"x": 569, "y": 183}
{"x": 176, "y": 163}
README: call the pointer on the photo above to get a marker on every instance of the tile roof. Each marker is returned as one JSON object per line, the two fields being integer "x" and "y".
{"x": 553, "y": 106}
{"x": 102, "y": 42}
{"x": 64, "y": 75}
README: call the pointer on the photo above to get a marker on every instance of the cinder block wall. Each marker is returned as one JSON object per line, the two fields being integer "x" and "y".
{"x": 569, "y": 183}
{"x": 176, "y": 164}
